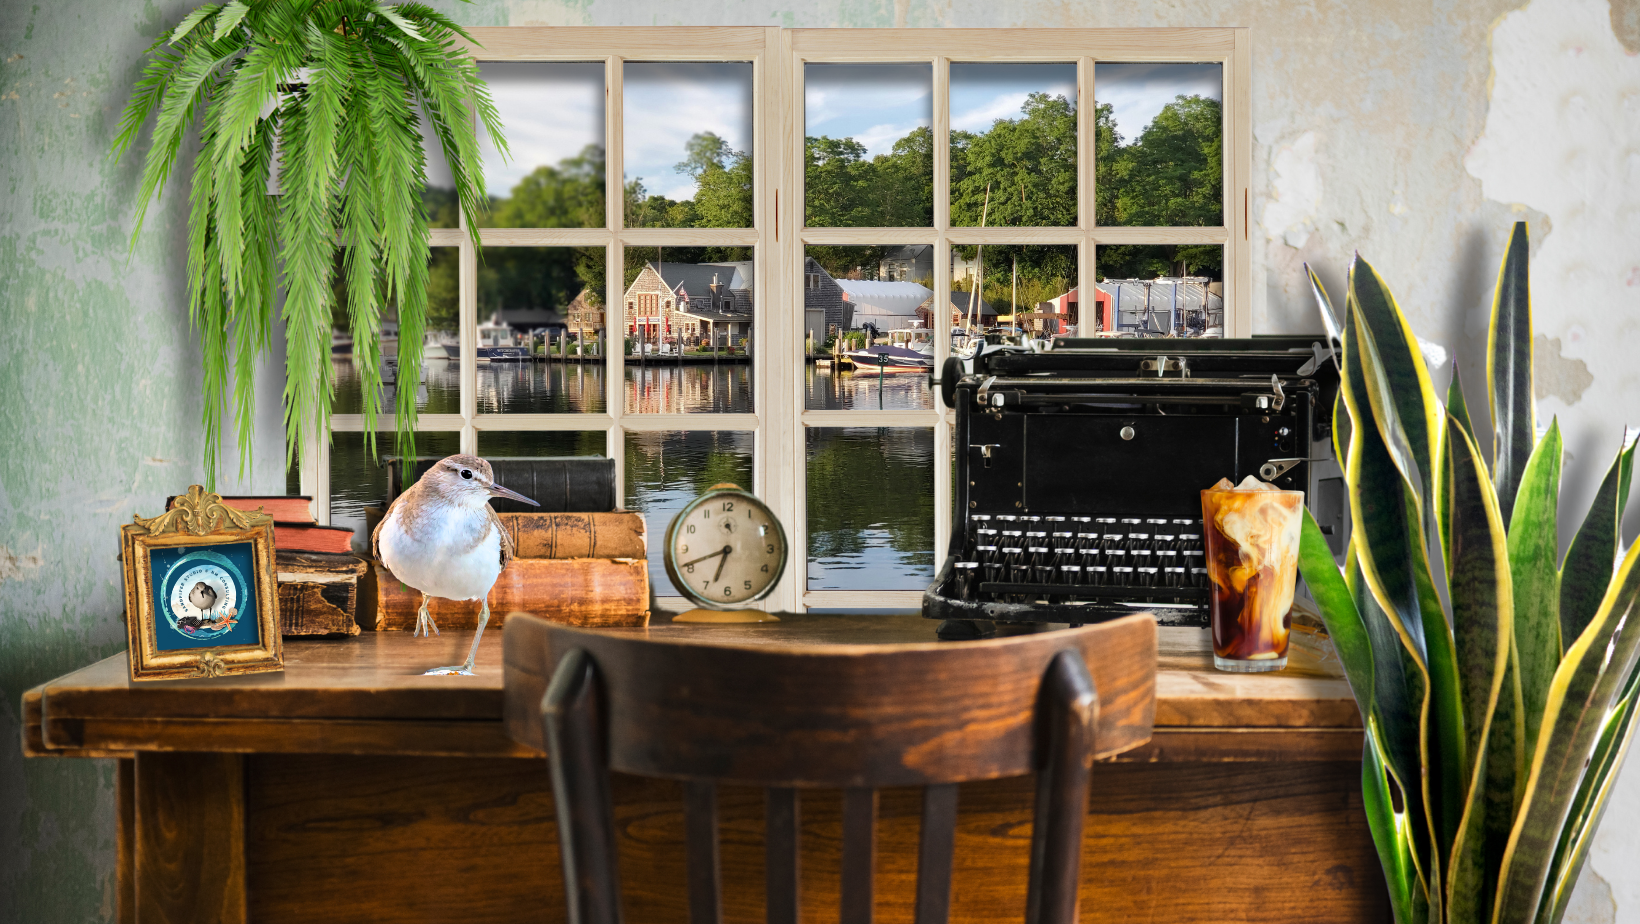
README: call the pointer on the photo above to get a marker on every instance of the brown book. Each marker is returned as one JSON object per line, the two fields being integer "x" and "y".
{"x": 615, "y": 534}
{"x": 286, "y": 508}
{"x": 311, "y": 537}
{"x": 575, "y": 592}
{"x": 318, "y": 593}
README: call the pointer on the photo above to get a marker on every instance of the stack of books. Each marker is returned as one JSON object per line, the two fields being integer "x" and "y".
{"x": 318, "y": 572}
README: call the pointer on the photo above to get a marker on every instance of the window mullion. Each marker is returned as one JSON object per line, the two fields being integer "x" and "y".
{"x": 467, "y": 315}
{"x": 614, "y": 275}
{"x": 940, "y": 315}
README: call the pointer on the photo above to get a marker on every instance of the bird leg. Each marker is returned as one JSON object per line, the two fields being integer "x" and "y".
{"x": 425, "y": 627}
{"x": 466, "y": 670}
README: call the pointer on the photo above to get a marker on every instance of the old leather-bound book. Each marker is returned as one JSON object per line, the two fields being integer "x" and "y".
{"x": 577, "y": 592}
{"x": 318, "y": 592}
{"x": 614, "y": 534}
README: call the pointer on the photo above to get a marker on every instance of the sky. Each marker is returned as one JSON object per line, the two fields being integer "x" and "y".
{"x": 552, "y": 111}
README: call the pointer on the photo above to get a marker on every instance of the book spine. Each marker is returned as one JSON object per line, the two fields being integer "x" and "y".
{"x": 580, "y": 592}
{"x": 317, "y": 609}
{"x": 618, "y": 534}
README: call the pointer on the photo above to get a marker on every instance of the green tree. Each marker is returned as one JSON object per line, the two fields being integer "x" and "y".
{"x": 1025, "y": 166}
{"x": 1172, "y": 176}
{"x": 569, "y": 194}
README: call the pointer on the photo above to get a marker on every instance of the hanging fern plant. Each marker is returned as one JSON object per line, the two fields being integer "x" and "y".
{"x": 330, "y": 93}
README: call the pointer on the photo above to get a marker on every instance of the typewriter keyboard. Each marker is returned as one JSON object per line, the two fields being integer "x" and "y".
{"x": 1064, "y": 559}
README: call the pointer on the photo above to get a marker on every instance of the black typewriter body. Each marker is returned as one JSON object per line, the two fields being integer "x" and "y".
{"x": 1079, "y": 470}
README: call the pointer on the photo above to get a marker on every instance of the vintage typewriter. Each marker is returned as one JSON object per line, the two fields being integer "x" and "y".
{"x": 1079, "y": 468}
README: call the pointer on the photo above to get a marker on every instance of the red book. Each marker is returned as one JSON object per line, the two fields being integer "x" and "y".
{"x": 311, "y": 537}
{"x": 288, "y": 509}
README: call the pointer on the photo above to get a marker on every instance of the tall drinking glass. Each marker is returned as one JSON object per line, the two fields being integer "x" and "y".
{"x": 1252, "y": 535}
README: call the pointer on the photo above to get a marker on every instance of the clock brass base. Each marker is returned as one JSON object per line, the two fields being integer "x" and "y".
{"x": 725, "y": 616}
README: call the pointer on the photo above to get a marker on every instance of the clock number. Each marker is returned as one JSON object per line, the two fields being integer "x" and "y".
{"x": 705, "y": 514}
{"x": 728, "y": 506}
{"x": 727, "y": 591}
{"x": 770, "y": 549}
{"x": 765, "y": 569}
{"x": 748, "y": 584}
{"x": 689, "y": 568}
{"x": 691, "y": 527}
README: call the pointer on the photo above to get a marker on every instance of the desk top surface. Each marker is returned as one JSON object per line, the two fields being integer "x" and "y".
{"x": 377, "y": 677}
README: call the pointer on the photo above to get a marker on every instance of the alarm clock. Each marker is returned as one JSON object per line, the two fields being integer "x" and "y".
{"x": 724, "y": 549}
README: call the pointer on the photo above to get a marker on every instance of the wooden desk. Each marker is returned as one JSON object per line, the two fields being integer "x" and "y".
{"x": 351, "y": 788}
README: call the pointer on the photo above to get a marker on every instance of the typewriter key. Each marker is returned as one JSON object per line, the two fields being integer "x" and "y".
{"x": 1131, "y": 521}
{"x": 1198, "y": 577}
{"x": 1140, "y": 558}
{"x": 1036, "y": 534}
{"x": 1121, "y": 576}
{"x": 1032, "y": 519}
{"x": 1012, "y": 534}
{"x": 1052, "y": 520}
{"x": 1040, "y": 555}
{"x": 994, "y": 570}
{"x": 1105, "y": 521}
{"x": 1013, "y": 555}
{"x": 1173, "y": 577}
{"x": 1185, "y": 525}
{"x": 1193, "y": 558}
{"x": 1153, "y": 523}
{"x": 1190, "y": 542}
{"x": 1115, "y": 556}
{"x": 967, "y": 579}
{"x": 1145, "y": 577}
{"x": 1066, "y": 537}
{"x": 1042, "y": 574}
{"x": 1085, "y": 541}
{"x": 1094, "y": 575}
{"x": 980, "y": 518}
{"x": 1089, "y": 556}
{"x": 1160, "y": 541}
{"x": 1113, "y": 542}
{"x": 1137, "y": 541}
{"x": 1006, "y": 518}
{"x": 985, "y": 554}
{"x": 984, "y": 535}
{"x": 1166, "y": 558}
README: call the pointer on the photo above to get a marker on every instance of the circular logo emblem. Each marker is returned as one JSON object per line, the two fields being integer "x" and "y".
{"x": 203, "y": 595}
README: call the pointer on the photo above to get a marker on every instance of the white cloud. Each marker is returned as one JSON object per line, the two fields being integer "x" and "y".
{"x": 981, "y": 119}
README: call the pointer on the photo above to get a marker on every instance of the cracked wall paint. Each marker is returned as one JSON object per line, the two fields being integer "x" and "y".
{"x": 1394, "y": 94}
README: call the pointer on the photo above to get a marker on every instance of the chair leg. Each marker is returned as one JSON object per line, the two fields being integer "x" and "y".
{"x": 781, "y": 853}
{"x": 705, "y": 872}
{"x": 1070, "y": 708}
{"x": 572, "y": 716}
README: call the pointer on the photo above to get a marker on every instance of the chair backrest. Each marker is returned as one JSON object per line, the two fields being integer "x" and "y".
{"x": 853, "y": 717}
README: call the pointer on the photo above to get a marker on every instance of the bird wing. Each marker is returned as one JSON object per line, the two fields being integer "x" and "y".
{"x": 376, "y": 534}
{"x": 506, "y": 540}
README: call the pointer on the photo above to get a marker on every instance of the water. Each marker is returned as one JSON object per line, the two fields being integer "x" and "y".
{"x": 655, "y": 387}
{"x": 870, "y": 490}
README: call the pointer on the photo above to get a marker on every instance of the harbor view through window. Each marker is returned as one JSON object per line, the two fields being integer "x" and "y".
{"x": 685, "y": 320}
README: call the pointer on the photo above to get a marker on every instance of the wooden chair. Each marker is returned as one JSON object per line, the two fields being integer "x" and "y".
{"x": 855, "y": 717}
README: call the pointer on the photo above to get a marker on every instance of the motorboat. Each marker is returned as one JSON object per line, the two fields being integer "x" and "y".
{"x": 498, "y": 342}
{"x": 888, "y": 358}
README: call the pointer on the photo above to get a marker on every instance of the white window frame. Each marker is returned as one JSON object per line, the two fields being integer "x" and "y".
{"x": 779, "y": 421}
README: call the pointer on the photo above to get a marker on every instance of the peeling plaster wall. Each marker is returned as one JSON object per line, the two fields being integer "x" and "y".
{"x": 1412, "y": 132}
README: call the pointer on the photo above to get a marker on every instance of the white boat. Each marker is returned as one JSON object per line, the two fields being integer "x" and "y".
{"x": 497, "y": 342}
{"x": 887, "y": 358}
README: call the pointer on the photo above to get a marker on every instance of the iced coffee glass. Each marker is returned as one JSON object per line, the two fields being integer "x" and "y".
{"x": 1252, "y": 534}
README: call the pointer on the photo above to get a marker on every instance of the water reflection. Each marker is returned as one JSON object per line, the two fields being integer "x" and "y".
{"x": 870, "y": 508}
{"x": 665, "y": 471}
{"x": 655, "y": 387}
{"x": 359, "y": 482}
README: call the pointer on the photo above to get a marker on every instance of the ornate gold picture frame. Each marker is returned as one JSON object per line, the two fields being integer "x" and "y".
{"x": 201, "y": 594}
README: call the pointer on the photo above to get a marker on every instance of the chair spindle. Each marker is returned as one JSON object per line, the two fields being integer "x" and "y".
{"x": 705, "y": 869}
{"x": 859, "y": 853}
{"x": 781, "y": 855}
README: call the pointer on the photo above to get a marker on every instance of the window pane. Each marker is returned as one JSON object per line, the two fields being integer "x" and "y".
{"x": 688, "y": 138}
{"x": 1161, "y": 289}
{"x": 870, "y": 508}
{"x": 530, "y": 300}
{"x": 1025, "y": 288}
{"x": 439, "y": 391}
{"x": 1013, "y": 145}
{"x": 688, "y": 330}
{"x": 527, "y": 444}
{"x": 868, "y": 326}
{"x": 868, "y": 146}
{"x": 666, "y": 470}
{"x": 358, "y": 482}
{"x": 553, "y": 115}
{"x": 1160, "y": 144}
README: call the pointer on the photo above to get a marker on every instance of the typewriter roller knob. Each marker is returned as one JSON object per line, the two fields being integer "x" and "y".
{"x": 1126, "y": 433}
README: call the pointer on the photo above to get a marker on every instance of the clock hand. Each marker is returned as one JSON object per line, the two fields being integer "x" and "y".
{"x": 723, "y": 551}
{"x": 723, "y": 561}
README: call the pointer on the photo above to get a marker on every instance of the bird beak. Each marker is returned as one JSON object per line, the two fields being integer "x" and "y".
{"x": 498, "y": 491}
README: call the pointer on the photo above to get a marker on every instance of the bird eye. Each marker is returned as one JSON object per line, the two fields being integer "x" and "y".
{"x": 466, "y": 473}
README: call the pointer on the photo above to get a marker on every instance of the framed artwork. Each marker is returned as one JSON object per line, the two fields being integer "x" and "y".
{"x": 201, "y": 598}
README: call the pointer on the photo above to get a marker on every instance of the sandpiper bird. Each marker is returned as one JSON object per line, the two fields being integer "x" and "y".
{"x": 442, "y": 538}
{"x": 203, "y": 597}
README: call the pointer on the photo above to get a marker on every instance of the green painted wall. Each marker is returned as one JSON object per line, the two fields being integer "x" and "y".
{"x": 1378, "y": 127}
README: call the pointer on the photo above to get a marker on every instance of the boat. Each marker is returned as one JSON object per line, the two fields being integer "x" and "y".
{"x": 886, "y": 358}
{"x": 497, "y": 342}
{"x": 341, "y": 341}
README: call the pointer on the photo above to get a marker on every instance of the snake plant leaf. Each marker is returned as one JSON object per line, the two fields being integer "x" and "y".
{"x": 1534, "y": 545}
{"x": 1505, "y": 778}
{"x": 1458, "y": 408}
{"x": 1400, "y": 365}
{"x": 1329, "y": 318}
{"x": 1337, "y": 607}
{"x": 1590, "y": 804}
{"x": 1588, "y": 565}
{"x": 1408, "y": 896}
{"x": 1482, "y": 613}
{"x": 1509, "y": 371}
{"x": 1392, "y": 721}
{"x": 1595, "y": 671}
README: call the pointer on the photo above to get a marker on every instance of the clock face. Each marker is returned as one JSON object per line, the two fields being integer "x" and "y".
{"x": 725, "y": 548}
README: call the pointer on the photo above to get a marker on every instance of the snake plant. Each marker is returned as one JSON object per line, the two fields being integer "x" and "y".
{"x": 332, "y": 94}
{"x": 1497, "y": 682}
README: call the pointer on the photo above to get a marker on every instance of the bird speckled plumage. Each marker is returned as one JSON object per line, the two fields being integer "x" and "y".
{"x": 441, "y": 537}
